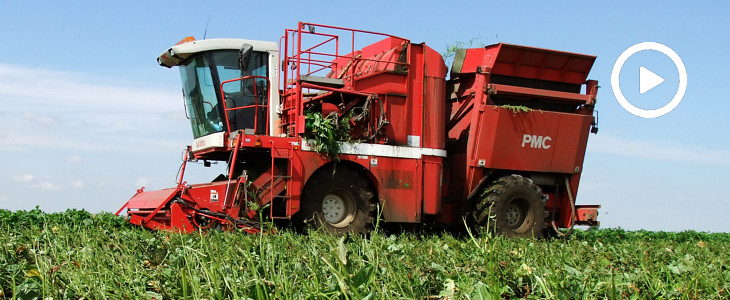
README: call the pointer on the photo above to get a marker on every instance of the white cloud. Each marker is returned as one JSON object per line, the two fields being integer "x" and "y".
{"x": 142, "y": 181}
{"x": 681, "y": 198}
{"x": 78, "y": 184}
{"x": 98, "y": 114}
{"x": 42, "y": 119}
{"x": 175, "y": 115}
{"x": 69, "y": 89}
{"x": 18, "y": 141}
{"x": 23, "y": 178}
{"x": 73, "y": 159}
{"x": 48, "y": 186}
{"x": 127, "y": 143}
{"x": 657, "y": 150}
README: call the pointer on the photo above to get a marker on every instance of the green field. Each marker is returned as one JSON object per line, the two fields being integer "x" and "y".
{"x": 79, "y": 255}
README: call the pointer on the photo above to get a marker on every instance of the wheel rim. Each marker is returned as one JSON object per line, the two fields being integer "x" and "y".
{"x": 338, "y": 208}
{"x": 518, "y": 215}
{"x": 513, "y": 215}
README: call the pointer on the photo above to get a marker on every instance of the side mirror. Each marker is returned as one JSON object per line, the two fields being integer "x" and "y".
{"x": 243, "y": 56}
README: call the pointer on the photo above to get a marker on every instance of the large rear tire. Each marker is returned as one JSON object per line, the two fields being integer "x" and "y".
{"x": 339, "y": 203}
{"x": 512, "y": 206}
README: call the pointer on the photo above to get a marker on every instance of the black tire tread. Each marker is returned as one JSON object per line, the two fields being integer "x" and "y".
{"x": 493, "y": 200}
{"x": 349, "y": 179}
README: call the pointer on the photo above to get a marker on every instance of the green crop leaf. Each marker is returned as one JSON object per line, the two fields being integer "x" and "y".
{"x": 449, "y": 289}
{"x": 342, "y": 250}
{"x": 33, "y": 273}
{"x": 517, "y": 109}
{"x": 363, "y": 276}
{"x": 482, "y": 292}
{"x": 325, "y": 133}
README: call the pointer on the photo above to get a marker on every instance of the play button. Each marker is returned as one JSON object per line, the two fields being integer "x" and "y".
{"x": 648, "y": 80}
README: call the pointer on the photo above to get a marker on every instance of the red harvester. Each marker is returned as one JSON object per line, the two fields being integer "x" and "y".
{"x": 501, "y": 143}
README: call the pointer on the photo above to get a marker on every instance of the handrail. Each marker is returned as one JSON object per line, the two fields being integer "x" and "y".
{"x": 310, "y": 59}
{"x": 255, "y": 105}
{"x": 332, "y": 37}
{"x": 349, "y": 29}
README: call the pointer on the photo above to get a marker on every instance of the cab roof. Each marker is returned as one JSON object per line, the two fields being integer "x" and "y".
{"x": 189, "y": 46}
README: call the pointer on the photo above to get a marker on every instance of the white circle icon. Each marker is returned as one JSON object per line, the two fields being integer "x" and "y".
{"x": 649, "y": 113}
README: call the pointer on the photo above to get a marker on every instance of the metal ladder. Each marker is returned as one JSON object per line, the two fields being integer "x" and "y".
{"x": 279, "y": 182}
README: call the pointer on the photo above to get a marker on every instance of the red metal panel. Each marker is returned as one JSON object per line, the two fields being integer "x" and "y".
{"x": 399, "y": 183}
{"x": 476, "y": 125}
{"x": 414, "y": 101}
{"x": 478, "y": 58}
{"x": 587, "y": 215}
{"x": 381, "y": 83}
{"x": 529, "y": 62}
{"x": 434, "y": 102}
{"x": 152, "y": 199}
{"x": 541, "y": 141}
{"x": 179, "y": 219}
{"x": 378, "y": 58}
{"x": 398, "y": 116}
{"x": 501, "y": 89}
{"x": 572, "y": 133}
{"x": 211, "y": 195}
{"x": 432, "y": 172}
{"x": 382, "y": 46}
{"x": 262, "y": 141}
{"x": 544, "y": 64}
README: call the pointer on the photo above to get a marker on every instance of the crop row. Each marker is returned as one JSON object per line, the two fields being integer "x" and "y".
{"x": 76, "y": 254}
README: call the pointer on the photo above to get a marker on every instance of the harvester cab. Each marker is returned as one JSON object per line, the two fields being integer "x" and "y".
{"x": 227, "y": 85}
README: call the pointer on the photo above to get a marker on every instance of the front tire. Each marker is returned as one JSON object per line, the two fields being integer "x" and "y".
{"x": 339, "y": 202}
{"x": 512, "y": 206}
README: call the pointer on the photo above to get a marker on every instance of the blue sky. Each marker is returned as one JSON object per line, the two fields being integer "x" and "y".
{"x": 87, "y": 117}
